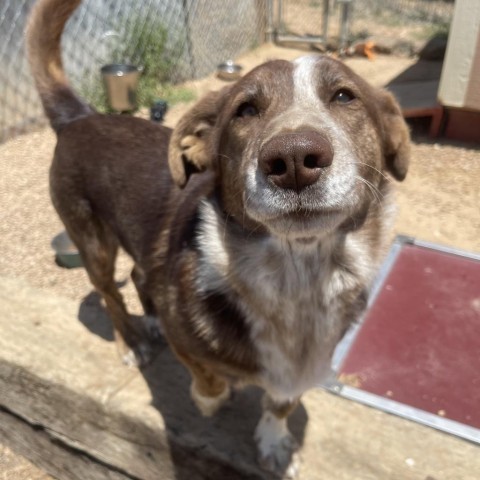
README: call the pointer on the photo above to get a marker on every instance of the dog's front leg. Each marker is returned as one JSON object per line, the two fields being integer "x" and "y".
{"x": 208, "y": 390}
{"x": 276, "y": 446}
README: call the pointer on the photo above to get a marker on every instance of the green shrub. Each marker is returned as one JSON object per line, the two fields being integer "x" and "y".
{"x": 147, "y": 45}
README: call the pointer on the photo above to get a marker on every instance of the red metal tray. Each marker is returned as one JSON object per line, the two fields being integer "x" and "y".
{"x": 417, "y": 351}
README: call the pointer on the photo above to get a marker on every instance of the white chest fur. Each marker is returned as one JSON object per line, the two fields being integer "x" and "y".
{"x": 291, "y": 296}
{"x": 294, "y": 316}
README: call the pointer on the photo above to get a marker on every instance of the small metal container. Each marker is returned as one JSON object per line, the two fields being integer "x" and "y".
{"x": 121, "y": 81}
{"x": 66, "y": 253}
{"x": 229, "y": 70}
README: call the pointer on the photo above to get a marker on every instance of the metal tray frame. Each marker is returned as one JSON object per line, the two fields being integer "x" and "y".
{"x": 333, "y": 385}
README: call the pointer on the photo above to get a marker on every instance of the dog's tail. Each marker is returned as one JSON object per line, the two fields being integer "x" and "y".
{"x": 43, "y": 33}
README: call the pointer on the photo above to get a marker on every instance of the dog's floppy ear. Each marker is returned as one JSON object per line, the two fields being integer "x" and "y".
{"x": 191, "y": 148}
{"x": 395, "y": 136}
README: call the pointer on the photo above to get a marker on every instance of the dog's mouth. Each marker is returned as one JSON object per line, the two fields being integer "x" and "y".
{"x": 304, "y": 216}
{"x": 303, "y": 224}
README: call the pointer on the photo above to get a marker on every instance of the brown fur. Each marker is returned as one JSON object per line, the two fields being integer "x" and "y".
{"x": 254, "y": 276}
{"x": 46, "y": 23}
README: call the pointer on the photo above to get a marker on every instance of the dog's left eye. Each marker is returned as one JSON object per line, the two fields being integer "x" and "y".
{"x": 343, "y": 96}
{"x": 247, "y": 110}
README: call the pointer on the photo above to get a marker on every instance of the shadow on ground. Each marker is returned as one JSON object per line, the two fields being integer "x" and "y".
{"x": 221, "y": 445}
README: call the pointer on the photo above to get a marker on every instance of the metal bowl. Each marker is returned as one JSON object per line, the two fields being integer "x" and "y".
{"x": 229, "y": 70}
{"x": 66, "y": 253}
{"x": 121, "y": 82}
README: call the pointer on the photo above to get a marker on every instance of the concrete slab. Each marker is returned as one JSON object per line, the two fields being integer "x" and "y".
{"x": 68, "y": 403}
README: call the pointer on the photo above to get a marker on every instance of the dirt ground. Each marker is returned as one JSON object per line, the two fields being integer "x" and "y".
{"x": 438, "y": 202}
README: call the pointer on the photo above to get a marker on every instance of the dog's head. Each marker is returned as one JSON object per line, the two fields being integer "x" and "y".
{"x": 297, "y": 147}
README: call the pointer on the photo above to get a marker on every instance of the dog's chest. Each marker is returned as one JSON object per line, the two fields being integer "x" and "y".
{"x": 294, "y": 306}
{"x": 293, "y": 301}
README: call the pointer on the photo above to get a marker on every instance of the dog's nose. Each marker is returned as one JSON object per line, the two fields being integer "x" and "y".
{"x": 295, "y": 160}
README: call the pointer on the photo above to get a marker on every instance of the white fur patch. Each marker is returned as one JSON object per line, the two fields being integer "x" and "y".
{"x": 269, "y": 432}
{"x": 208, "y": 405}
{"x": 215, "y": 258}
{"x": 276, "y": 446}
{"x": 304, "y": 81}
{"x": 297, "y": 357}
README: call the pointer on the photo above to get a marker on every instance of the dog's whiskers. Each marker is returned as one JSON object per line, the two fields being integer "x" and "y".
{"x": 373, "y": 168}
{"x": 376, "y": 193}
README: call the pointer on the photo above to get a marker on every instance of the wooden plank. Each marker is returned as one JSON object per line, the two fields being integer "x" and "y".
{"x": 49, "y": 454}
{"x": 57, "y": 375}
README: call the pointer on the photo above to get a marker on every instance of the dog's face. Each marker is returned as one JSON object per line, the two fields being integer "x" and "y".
{"x": 298, "y": 147}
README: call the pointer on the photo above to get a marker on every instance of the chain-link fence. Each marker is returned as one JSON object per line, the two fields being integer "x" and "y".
{"x": 175, "y": 40}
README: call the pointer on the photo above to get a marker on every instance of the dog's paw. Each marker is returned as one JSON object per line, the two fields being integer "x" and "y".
{"x": 129, "y": 358}
{"x": 276, "y": 447}
{"x": 193, "y": 146}
{"x": 282, "y": 460}
{"x": 138, "y": 356}
{"x": 209, "y": 405}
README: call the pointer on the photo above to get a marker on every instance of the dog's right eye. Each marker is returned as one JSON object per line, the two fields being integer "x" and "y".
{"x": 343, "y": 96}
{"x": 246, "y": 110}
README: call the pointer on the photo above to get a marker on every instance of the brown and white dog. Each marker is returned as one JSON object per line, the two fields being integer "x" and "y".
{"x": 257, "y": 266}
